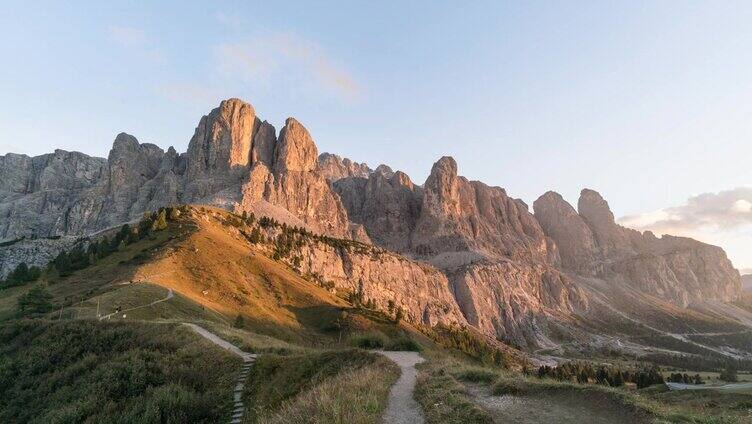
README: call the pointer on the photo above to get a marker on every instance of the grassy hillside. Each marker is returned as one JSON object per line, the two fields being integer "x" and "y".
{"x": 88, "y": 371}
{"x": 340, "y": 386}
{"x": 137, "y": 361}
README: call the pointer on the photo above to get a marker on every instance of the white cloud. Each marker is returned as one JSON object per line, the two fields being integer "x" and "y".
{"x": 723, "y": 219}
{"x": 284, "y": 60}
{"x": 723, "y": 210}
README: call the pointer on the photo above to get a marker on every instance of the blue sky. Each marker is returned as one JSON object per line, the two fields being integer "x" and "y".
{"x": 647, "y": 102}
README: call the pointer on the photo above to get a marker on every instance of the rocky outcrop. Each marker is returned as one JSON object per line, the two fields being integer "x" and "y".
{"x": 421, "y": 290}
{"x": 34, "y": 252}
{"x": 335, "y": 168}
{"x": 37, "y": 194}
{"x": 234, "y": 161}
{"x": 387, "y": 204}
{"x": 676, "y": 269}
{"x": 294, "y": 185}
{"x": 496, "y": 257}
{"x": 574, "y": 239}
{"x": 458, "y": 215}
{"x": 514, "y": 301}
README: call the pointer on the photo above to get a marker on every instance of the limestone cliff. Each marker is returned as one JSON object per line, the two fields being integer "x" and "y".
{"x": 676, "y": 269}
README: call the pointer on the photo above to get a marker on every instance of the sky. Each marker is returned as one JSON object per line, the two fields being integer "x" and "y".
{"x": 647, "y": 102}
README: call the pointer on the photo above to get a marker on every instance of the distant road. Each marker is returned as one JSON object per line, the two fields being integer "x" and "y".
{"x": 734, "y": 386}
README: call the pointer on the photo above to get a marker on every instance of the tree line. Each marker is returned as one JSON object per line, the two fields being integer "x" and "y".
{"x": 38, "y": 299}
{"x": 584, "y": 372}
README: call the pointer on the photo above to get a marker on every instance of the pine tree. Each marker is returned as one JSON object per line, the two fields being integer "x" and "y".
{"x": 160, "y": 223}
{"x": 174, "y": 214}
{"x": 35, "y": 301}
{"x": 123, "y": 234}
{"x": 239, "y": 322}
{"x": 398, "y": 315}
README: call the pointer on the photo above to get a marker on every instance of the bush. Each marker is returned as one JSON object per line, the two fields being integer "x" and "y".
{"x": 372, "y": 340}
{"x": 405, "y": 344}
{"x": 22, "y": 274}
{"x": 476, "y": 375}
{"x": 35, "y": 301}
{"x": 94, "y": 372}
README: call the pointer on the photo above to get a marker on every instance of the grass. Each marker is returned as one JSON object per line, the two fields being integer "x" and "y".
{"x": 442, "y": 395}
{"x": 88, "y": 371}
{"x": 369, "y": 340}
{"x": 351, "y": 397}
{"x": 655, "y": 402}
{"x": 277, "y": 383}
{"x": 253, "y": 342}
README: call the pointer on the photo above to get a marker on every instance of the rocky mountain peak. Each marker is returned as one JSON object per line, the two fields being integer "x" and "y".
{"x": 222, "y": 140}
{"x": 124, "y": 141}
{"x": 335, "y": 168}
{"x": 384, "y": 170}
{"x": 573, "y": 237}
{"x": 295, "y": 150}
{"x": 444, "y": 168}
{"x": 594, "y": 208}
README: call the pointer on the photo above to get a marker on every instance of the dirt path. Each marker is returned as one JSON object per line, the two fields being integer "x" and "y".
{"x": 169, "y": 296}
{"x": 402, "y": 407}
{"x": 551, "y": 407}
{"x": 248, "y": 359}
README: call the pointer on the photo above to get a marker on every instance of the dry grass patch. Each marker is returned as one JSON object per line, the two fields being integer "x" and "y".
{"x": 354, "y": 397}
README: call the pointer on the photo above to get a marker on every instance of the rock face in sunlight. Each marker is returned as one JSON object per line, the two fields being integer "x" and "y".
{"x": 462, "y": 252}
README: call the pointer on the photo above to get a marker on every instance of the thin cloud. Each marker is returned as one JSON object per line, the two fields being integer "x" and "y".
{"x": 233, "y": 22}
{"x": 285, "y": 60}
{"x": 135, "y": 39}
{"x": 725, "y": 210}
{"x": 127, "y": 36}
{"x": 723, "y": 219}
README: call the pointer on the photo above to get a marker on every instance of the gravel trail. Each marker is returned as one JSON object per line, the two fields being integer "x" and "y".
{"x": 402, "y": 407}
{"x": 248, "y": 359}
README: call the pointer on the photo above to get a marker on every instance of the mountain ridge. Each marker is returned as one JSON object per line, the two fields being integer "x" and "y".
{"x": 515, "y": 275}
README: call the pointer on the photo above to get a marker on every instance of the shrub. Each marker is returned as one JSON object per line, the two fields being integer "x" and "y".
{"x": 239, "y": 322}
{"x": 96, "y": 372}
{"x": 35, "y": 301}
{"x": 404, "y": 343}
{"x": 372, "y": 340}
{"x": 477, "y": 375}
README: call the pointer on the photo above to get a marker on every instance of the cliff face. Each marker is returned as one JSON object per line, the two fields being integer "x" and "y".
{"x": 496, "y": 257}
{"x": 464, "y": 252}
{"x": 679, "y": 270}
{"x": 422, "y": 291}
{"x": 234, "y": 161}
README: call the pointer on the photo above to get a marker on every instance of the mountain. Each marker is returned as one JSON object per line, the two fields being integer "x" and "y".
{"x": 747, "y": 282}
{"x": 450, "y": 251}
